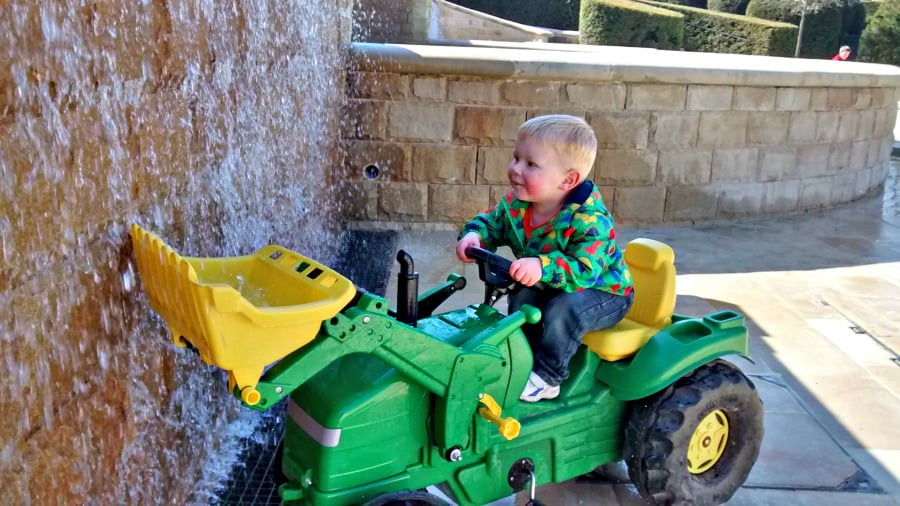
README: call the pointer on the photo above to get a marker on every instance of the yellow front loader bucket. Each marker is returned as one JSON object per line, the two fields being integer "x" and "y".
{"x": 240, "y": 313}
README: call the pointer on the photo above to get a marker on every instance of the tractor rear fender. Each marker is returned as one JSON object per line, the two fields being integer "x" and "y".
{"x": 673, "y": 352}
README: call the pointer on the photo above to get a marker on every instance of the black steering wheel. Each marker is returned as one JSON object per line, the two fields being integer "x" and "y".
{"x": 493, "y": 270}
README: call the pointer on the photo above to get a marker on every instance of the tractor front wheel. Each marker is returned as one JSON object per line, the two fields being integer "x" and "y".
{"x": 695, "y": 442}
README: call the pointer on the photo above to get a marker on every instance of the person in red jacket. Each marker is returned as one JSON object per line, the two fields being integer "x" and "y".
{"x": 843, "y": 54}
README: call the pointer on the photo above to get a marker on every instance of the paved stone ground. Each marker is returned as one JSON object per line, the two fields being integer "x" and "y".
{"x": 821, "y": 294}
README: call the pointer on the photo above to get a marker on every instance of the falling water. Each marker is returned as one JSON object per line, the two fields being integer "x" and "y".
{"x": 213, "y": 123}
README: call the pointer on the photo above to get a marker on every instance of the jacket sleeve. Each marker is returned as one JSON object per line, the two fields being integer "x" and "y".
{"x": 588, "y": 254}
{"x": 490, "y": 225}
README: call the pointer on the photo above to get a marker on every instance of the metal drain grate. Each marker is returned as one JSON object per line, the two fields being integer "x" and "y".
{"x": 891, "y": 205}
{"x": 861, "y": 482}
{"x": 253, "y": 482}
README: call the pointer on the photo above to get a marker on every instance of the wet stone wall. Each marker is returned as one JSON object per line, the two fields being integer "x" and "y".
{"x": 212, "y": 123}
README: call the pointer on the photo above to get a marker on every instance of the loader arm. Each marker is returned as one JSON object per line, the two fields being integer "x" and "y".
{"x": 455, "y": 375}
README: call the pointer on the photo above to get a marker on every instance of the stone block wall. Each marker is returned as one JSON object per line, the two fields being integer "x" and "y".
{"x": 675, "y": 152}
{"x": 195, "y": 119}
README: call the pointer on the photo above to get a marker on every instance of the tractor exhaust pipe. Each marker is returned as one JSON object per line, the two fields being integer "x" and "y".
{"x": 407, "y": 290}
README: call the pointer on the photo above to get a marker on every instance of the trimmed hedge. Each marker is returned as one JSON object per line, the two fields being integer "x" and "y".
{"x": 871, "y": 6}
{"x": 853, "y": 22}
{"x": 560, "y": 14}
{"x": 628, "y": 23}
{"x": 822, "y": 33}
{"x": 729, "y": 6}
{"x": 880, "y": 41}
{"x": 767, "y": 9}
{"x": 719, "y": 32}
{"x": 853, "y": 18}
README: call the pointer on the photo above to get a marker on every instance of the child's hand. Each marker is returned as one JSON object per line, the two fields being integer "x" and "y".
{"x": 470, "y": 239}
{"x": 526, "y": 270}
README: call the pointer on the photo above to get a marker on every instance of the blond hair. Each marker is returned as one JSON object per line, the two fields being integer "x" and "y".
{"x": 570, "y": 136}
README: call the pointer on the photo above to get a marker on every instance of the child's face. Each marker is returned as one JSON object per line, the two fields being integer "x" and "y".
{"x": 537, "y": 172}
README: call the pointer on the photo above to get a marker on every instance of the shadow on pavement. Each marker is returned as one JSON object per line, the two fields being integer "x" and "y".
{"x": 804, "y": 448}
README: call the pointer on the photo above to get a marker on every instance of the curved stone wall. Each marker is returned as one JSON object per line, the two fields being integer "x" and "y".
{"x": 684, "y": 137}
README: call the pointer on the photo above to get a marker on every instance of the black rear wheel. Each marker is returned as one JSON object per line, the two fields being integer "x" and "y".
{"x": 695, "y": 442}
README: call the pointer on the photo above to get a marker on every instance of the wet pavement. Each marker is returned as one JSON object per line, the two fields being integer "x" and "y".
{"x": 821, "y": 297}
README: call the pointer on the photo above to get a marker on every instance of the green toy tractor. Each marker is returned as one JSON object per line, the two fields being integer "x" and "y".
{"x": 386, "y": 402}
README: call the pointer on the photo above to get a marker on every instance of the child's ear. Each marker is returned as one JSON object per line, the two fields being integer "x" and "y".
{"x": 572, "y": 179}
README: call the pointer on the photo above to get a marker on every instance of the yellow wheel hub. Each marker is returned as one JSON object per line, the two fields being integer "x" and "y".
{"x": 708, "y": 442}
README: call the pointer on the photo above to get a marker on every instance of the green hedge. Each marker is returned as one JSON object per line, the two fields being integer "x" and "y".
{"x": 853, "y": 22}
{"x": 561, "y": 14}
{"x": 768, "y": 9}
{"x": 628, "y": 23}
{"x": 729, "y": 6}
{"x": 719, "y": 32}
{"x": 853, "y": 18}
{"x": 822, "y": 33}
{"x": 871, "y": 6}
{"x": 880, "y": 41}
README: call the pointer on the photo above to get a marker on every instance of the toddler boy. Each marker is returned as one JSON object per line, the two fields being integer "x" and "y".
{"x": 562, "y": 235}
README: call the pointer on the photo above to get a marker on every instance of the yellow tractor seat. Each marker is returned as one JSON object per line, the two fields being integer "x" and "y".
{"x": 652, "y": 265}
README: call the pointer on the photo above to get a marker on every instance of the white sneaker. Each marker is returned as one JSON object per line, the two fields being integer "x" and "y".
{"x": 536, "y": 389}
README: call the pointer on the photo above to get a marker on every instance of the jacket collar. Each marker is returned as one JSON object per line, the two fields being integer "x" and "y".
{"x": 580, "y": 194}
{"x": 577, "y": 198}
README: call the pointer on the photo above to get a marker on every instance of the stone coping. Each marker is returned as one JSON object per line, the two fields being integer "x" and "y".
{"x": 617, "y": 64}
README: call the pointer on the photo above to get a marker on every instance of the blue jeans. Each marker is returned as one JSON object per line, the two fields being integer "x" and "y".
{"x": 566, "y": 317}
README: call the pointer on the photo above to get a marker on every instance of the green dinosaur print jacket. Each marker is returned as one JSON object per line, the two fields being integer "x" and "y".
{"x": 577, "y": 247}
